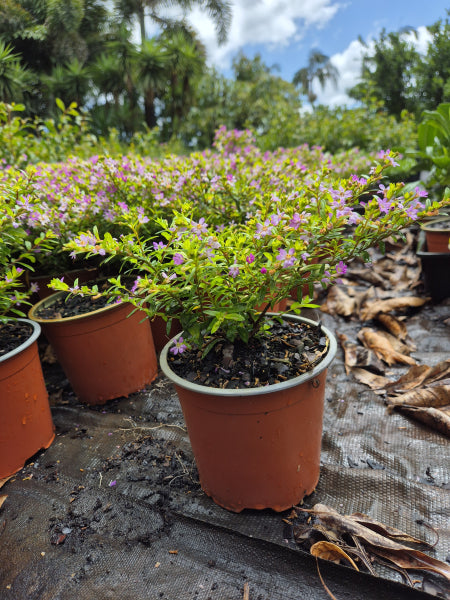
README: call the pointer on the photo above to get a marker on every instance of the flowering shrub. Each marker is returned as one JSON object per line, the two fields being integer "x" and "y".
{"x": 17, "y": 251}
{"x": 79, "y": 193}
{"x": 220, "y": 280}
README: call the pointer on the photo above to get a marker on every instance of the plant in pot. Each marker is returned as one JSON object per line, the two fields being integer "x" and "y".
{"x": 433, "y": 250}
{"x": 25, "y": 419}
{"x": 57, "y": 207}
{"x": 105, "y": 348}
{"x": 251, "y": 383}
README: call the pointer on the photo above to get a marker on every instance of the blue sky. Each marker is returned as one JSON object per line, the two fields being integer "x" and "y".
{"x": 284, "y": 31}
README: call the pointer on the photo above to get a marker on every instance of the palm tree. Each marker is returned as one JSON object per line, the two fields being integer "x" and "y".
{"x": 218, "y": 10}
{"x": 187, "y": 62}
{"x": 319, "y": 67}
{"x": 70, "y": 82}
{"x": 152, "y": 69}
{"x": 14, "y": 79}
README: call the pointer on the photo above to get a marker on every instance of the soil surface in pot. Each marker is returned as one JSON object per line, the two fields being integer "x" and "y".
{"x": 290, "y": 350}
{"x": 440, "y": 224}
{"x": 13, "y": 335}
{"x": 71, "y": 306}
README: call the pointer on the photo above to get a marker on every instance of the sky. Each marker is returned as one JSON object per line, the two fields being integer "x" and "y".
{"x": 283, "y": 32}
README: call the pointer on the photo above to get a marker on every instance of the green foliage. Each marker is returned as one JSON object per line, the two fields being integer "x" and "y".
{"x": 433, "y": 70}
{"x": 396, "y": 74}
{"x": 17, "y": 250}
{"x": 388, "y": 73}
{"x": 434, "y": 145}
{"x": 293, "y": 226}
{"x": 368, "y": 128}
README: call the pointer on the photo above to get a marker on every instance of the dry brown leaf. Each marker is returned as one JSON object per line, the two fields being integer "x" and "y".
{"x": 2, "y": 499}
{"x": 400, "y": 555}
{"x": 408, "y": 558}
{"x": 331, "y": 552}
{"x": 3, "y": 481}
{"x": 397, "y": 344}
{"x": 339, "y": 303}
{"x": 421, "y": 374}
{"x": 435, "y": 397}
{"x": 368, "y": 275}
{"x": 358, "y": 356}
{"x": 414, "y": 377}
{"x": 386, "y": 530}
{"x": 375, "y": 382}
{"x": 436, "y": 418}
{"x": 372, "y": 309}
{"x": 393, "y": 325}
{"x": 382, "y": 348}
{"x": 49, "y": 356}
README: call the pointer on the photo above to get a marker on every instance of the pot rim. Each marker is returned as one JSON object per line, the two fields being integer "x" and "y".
{"x": 49, "y": 300}
{"x": 267, "y": 389}
{"x": 33, "y": 337}
{"x": 428, "y": 226}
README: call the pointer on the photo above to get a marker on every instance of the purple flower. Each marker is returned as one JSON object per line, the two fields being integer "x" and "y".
{"x": 287, "y": 258}
{"x": 234, "y": 271}
{"x": 420, "y": 192}
{"x": 135, "y": 284}
{"x": 386, "y": 155}
{"x": 34, "y": 287}
{"x": 249, "y": 259}
{"x": 178, "y": 346}
{"x": 296, "y": 220}
{"x": 263, "y": 229}
{"x": 159, "y": 245}
{"x": 199, "y": 228}
{"x": 112, "y": 483}
{"x": 341, "y": 268}
{"x": 178, "y": 258}
{"x": 263, "y": 270}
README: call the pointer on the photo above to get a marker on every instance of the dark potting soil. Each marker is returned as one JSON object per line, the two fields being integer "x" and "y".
{"x": 71, "y": 306}
{"x": 12, "y": 335}
{"x": 439, "y": 224}
{"x": 290, "y": 350}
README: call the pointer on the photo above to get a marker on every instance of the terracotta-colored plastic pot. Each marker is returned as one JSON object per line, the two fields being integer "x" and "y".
{"x": 437, "y": 235}
{"x": 256, "y": 448}
{"x": 25, "y": 419}
{"x": 159, "y": 332}
{"x": 105, "y": 354}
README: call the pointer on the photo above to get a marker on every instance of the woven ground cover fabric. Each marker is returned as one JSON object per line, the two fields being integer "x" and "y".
{"x": 113, "y": 508}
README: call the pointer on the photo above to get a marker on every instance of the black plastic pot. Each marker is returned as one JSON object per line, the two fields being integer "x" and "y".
{"x": 435, "y": 269}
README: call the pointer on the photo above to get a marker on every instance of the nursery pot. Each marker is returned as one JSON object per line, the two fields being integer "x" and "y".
{"x": 105, "y": 354}
{"x": 437, "y": 235}
{"x": 260, "y": 447}
{"x": 26, "y": 423}
{"x": 435, "y": 270}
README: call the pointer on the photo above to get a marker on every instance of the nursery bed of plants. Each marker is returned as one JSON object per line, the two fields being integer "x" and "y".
{"x": 113, "y": 509}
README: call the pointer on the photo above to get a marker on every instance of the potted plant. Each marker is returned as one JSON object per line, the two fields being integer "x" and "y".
{"x": 105, "y": 349}
{"x": 25, "y": 419}
{"x": 254, "y": 379}
{"x": 437, "y": 235}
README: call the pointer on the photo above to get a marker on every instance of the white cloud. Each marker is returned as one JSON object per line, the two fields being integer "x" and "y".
{"x": 348, "y": 64}
{"x": 275, "y": 23}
